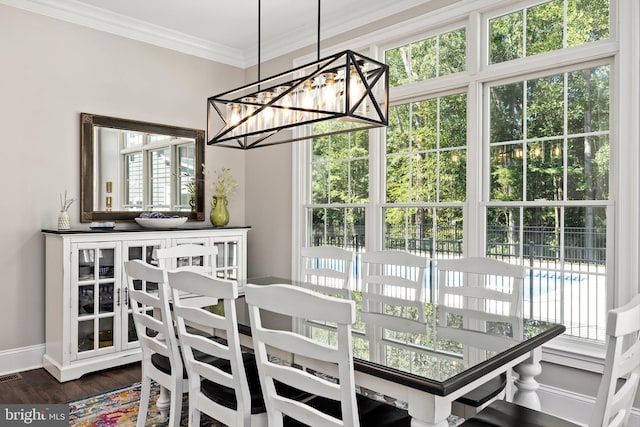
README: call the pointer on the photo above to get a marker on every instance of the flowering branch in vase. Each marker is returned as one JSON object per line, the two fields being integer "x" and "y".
{"x": 224, "y": 183}
{"x": 66, "y": 203}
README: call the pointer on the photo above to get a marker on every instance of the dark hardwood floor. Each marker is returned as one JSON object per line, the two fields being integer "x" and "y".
{"x": 38, "y": 386}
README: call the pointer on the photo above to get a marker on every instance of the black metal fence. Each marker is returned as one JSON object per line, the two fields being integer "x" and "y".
{"x": 584, "y": 253}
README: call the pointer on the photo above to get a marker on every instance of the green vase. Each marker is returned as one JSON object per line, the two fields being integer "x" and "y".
{"x": 219, "y": 213}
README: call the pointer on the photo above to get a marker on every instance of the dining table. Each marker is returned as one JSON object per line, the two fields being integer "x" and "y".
{"x": 423, "y": 372}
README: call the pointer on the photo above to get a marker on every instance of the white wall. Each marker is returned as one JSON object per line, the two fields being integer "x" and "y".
{"x": 51, "y": 71}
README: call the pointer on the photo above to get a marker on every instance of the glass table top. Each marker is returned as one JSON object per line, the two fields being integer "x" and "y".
{"x": 408, "y": 343}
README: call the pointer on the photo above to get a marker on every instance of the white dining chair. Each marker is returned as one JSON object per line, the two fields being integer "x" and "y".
{"x": 335, "y": 402}
{"x": 327, "y": 269}
{"x": 161, "y": 360}
{"x": 228, "y": 390}
{"x": 190, "y": 256}
{"x": 618, "y": 387}
{"x": 393, "y": 301}
{"x": 474, "y": 294}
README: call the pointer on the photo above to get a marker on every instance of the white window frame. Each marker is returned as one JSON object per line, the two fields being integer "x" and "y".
{"x": 623, "y": 49}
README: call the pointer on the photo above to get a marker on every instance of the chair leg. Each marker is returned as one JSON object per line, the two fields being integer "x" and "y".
{"x": 145, "y": 393}
{"x": 194, "y": 416}
{"x": 175, "y": 406}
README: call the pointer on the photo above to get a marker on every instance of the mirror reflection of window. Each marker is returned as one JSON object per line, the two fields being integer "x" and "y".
{"x": 186, "y": 178}
{"x": 160, "y": 173}
{"x": 133, "y": 180}
{"x": 148, "y": 171}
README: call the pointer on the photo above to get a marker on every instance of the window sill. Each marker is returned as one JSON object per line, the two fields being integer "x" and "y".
{"x": 575, "y": 354}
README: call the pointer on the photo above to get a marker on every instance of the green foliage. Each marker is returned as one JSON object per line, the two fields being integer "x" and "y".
{"x": 547, "y": 29}
{"x": 548, "y": 135}
{"x": 428, "y": 58}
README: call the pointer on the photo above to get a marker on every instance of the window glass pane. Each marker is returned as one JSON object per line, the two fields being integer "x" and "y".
{"x": 359, "y": 180}
{"x": 428, "y": 58}
{"x": 547, "y": 27}
{"x": 424, "y": 125}
{"x": 452, "y": 52}
{"x": 544, "y": 170}
{"x": 320, "y": 182}
{"x": 424, "y": 185}
{"x": 588, "y": 100}
{"x": 506, "y": 38}
{"x": 588, "y": 168}
{"x": 545, "y": 106}
{"x": 453, "y": 121}
{"x": 588, "y": 20}
{"x": 340, "y": 168}
{"x": 412, "y": 229}
{"x": 398, "y": 167}
{"x": 431, "y": 171}
{"x": 424, "y": 60}
{"x": 544, "y": 27}
{"x": 399, "y": 130}
{"x": 397, "y": 61}
{"x": 506, "y": 112}
{"x": 339, "y": 182}
{"x": 506, "y": 167}
{"x": 453, "y": 176}
{"x": 342, "y": 227}
{"x": 503, "y": 233}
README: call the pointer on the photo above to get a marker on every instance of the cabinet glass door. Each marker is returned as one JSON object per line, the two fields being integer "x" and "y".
{"x": 143, "y": 250}
{"x": 227, "y": 262}
{"x": 94, "y": 296}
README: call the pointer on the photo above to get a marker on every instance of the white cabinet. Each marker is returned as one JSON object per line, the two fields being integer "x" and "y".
{"x": 88, "y": 319}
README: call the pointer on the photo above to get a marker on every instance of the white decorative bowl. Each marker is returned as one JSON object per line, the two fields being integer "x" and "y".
{"x": 161, "y": 222}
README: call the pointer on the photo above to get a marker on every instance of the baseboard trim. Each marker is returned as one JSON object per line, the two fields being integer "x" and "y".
{"x": 572, "y": 406}
{"x": 21, "y": 359}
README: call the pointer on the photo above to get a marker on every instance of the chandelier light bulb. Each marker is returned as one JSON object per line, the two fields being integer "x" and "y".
{"x": 329, "y": 92}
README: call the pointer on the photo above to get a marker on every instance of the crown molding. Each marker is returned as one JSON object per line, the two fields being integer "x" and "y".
{"x": 124, "y": 26}
{"x": 330, "y": 26}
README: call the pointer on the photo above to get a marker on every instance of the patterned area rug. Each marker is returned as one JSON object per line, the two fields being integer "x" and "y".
{"x": 120, "y": 408}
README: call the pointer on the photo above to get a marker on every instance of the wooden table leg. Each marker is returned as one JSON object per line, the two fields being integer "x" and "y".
{"x": 428, "y": 410}
{"x": 526, "y": 385}
{"x": 164, "y": 402}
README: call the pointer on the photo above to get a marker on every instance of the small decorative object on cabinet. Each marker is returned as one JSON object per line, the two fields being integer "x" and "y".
{"x": 89, "y": 325}
{"x": 219, "y": 211}
{"x": 64, "y": 223}
{"x": 223, "y": 185}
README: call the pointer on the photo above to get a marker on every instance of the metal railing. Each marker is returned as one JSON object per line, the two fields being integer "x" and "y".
{"x": 564, "y": 284}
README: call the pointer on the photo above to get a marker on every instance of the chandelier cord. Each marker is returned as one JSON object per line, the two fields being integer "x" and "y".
{"x": 318, "y": 44}
{"x": 259, "y": 31}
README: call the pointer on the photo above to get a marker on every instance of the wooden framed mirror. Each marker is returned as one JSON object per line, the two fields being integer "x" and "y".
{"x": 129, "y": 167}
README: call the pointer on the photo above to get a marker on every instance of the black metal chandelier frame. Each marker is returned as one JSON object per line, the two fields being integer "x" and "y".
{"x": 233, "y": 116}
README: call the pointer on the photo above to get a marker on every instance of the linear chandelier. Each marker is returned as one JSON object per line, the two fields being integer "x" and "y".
{"x": 344, "y": 92}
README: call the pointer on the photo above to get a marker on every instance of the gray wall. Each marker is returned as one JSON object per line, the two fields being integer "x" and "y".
{"x": 51, "y": 72}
